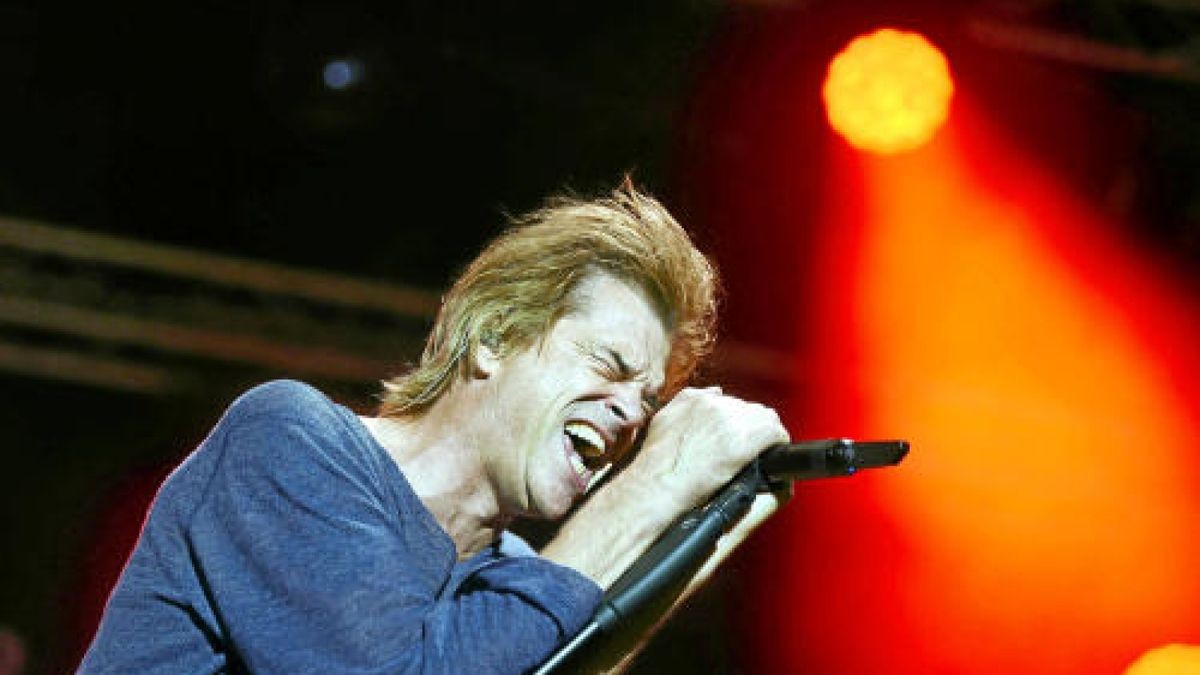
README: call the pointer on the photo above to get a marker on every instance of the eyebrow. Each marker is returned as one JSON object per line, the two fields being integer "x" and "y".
{"x": 622, "y": 366}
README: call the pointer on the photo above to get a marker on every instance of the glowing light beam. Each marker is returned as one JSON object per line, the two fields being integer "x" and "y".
{"x": 1045, "y": 375}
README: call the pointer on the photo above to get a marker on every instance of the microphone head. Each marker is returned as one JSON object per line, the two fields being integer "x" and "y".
{"x": 828, "y": 458}
{"x": 874, "y": 454}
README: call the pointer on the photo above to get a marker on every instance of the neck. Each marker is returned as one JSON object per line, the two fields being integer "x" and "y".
{"x": 438, "y": 452}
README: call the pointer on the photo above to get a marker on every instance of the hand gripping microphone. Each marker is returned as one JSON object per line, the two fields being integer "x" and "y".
{"x": 684, "y": 546}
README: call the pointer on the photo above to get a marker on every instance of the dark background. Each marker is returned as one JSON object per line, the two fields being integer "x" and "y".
{"x": 208, "y": 125}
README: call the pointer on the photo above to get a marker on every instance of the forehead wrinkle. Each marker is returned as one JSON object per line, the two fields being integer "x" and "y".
{"x": 584, "y": 296}
{"x": 631, "y": 368}
{"x": 636, "y": 370}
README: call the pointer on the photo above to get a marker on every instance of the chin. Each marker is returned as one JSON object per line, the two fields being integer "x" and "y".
{"x": 554, "y": 512}
{"x": 553, "y": 507}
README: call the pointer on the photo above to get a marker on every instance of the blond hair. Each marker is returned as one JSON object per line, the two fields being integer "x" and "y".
{"x": 511, "y": 295}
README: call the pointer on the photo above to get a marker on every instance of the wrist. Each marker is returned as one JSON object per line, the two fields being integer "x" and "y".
{"x": 617, "y": 523}
{"x": 656, "y": 504}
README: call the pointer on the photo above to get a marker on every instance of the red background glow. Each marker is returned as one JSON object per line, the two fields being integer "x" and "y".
{"x": 966, "y": 297}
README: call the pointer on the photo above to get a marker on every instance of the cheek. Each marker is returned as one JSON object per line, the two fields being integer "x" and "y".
{"x": 542, "y": 429}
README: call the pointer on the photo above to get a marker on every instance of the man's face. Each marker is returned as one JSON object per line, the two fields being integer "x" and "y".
{"x": 564, "y": 409}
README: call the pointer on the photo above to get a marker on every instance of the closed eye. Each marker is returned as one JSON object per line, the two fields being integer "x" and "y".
{"x": 612, "y": 366}
{"x": 622, "y": 368}
{"x": 607, "y": 368}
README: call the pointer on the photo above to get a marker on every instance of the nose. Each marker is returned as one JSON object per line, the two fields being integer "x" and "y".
{"x": 626, "y": 406}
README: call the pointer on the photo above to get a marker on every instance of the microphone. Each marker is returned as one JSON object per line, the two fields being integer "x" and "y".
{"x": 683, "y": 547}
{"x": 827, "y": 458}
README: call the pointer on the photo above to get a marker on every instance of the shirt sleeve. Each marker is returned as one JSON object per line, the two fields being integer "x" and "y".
{"x": 313, "y": 565}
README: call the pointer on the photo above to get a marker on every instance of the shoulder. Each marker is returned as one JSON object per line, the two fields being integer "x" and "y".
{"x": 281, "y": 399}
{"x": 287, "y": 419}
{"x": 291, "y": 434}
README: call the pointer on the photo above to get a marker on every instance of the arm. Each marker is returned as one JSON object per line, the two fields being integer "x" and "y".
{"x": 693, "y": 447}
{"x": 316, "y": 562}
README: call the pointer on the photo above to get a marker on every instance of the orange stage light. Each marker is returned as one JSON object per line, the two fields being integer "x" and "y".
{"x": 964, "y": 296}
{"x": 888, "y": 92}
{"x": 1045, "y": 519}
{"x": 1051, "y": 492}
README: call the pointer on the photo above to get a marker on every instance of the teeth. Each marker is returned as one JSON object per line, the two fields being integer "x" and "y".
{"x": 592, "y": 444}
{"x": 580, "y": 469}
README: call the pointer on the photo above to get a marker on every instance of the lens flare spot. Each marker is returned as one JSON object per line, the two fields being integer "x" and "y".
{"x": 888, "y": 91}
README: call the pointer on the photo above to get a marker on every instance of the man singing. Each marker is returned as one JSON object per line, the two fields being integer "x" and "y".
{"x": 300, "y": 538}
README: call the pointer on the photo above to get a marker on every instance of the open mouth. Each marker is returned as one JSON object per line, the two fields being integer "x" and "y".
{"x": 590, "y": 448}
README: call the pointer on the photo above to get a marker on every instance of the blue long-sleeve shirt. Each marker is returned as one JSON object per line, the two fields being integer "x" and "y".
{"x": 290, "y": 542}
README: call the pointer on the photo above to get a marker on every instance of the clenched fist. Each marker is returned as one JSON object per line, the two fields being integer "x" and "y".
{"x": 700, "y": 440}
